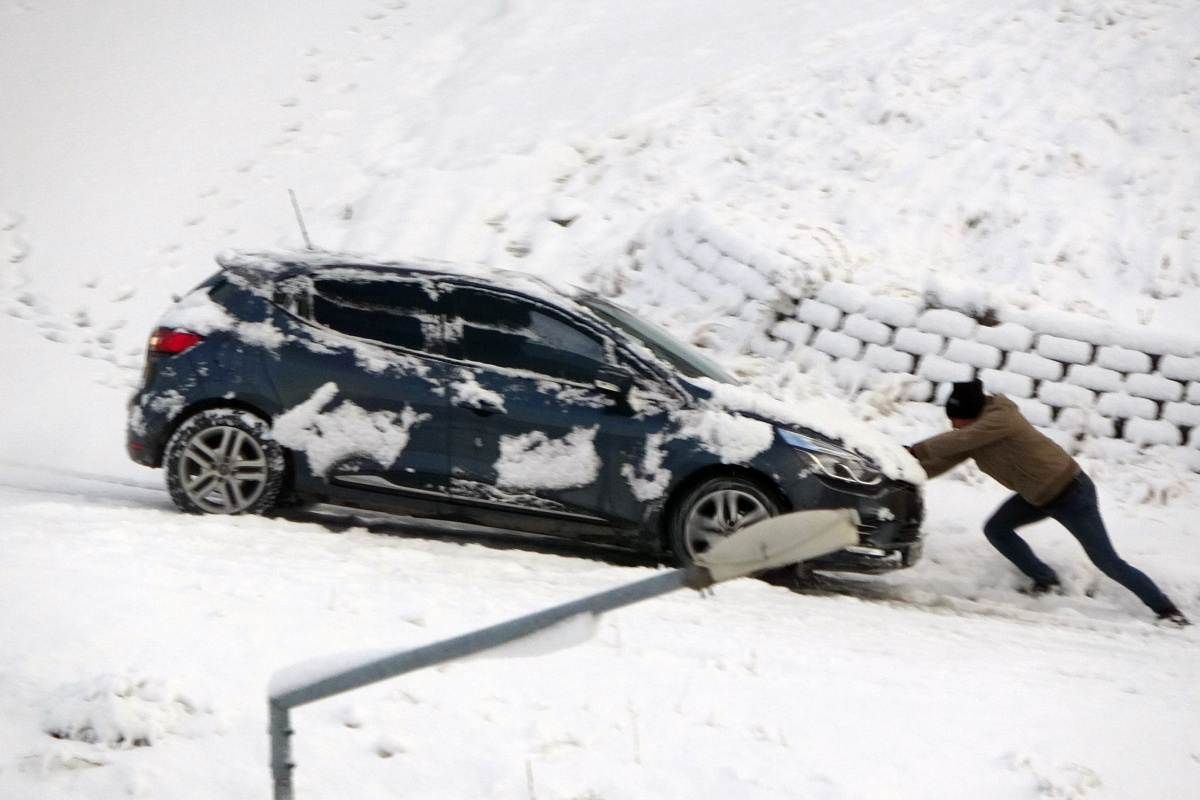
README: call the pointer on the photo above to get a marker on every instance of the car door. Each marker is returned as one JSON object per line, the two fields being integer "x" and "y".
{"x": 361, "y": 380}
{"x": 530, "y": 430}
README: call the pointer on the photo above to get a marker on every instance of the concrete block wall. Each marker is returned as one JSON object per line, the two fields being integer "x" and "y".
{"x": 1070, "y": 373}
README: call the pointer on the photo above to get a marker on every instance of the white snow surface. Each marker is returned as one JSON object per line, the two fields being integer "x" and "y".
{"x": 328, "y": 437}
{"x": 198, "y": 313}
{"x": 536, "y": 461}
{"x": 752, "y": 692}
{"x": 467, "y": 392}
{"x": 732, "y": 437}
{"x": 124, "y": 710}
{"x": 649, "y": 480}
{"x": 1036, "y": 155}
{"x": 790, "y": 397}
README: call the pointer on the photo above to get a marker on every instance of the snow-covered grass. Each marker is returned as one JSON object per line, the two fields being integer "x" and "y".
{"x": 1033, "y": 153}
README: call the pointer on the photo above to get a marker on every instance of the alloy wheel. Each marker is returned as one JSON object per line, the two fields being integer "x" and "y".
{"x": 719, "y": 514}
{"x": 223, "y": 470}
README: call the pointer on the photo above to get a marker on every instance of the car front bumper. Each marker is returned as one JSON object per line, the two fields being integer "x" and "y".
{"x": 891, "y": 513}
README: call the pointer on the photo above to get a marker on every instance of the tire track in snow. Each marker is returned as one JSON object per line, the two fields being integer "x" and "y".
{"x": 21, "y": 477}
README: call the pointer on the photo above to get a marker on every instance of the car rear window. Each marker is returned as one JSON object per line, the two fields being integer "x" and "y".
{"x": 392, "y": 312}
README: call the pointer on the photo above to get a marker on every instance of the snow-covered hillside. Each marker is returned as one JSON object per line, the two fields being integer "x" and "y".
{"x": 1028, "y": 154}
{"x": 1033, "y": 155}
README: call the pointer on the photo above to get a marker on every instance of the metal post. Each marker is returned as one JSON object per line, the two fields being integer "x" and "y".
{"x": 300, "y": 219}
{"x": 787, "y": 539}
{"x": 440, "y": 652}
{"x": 281, "y": 751}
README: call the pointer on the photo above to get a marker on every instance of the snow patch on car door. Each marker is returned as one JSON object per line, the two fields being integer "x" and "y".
{"x": 328, "y": 437}
{"x": 467, "y": 392}
{"x": 535, "y": 461}
{"x": 649, "y": 480}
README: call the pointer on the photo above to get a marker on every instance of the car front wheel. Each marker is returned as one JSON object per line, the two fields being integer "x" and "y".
{"x": 713, "y": 510}
{"x": 223, "y": 461}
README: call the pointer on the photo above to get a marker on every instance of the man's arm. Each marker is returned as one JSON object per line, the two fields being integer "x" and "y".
{"x": 945, "y": 451}
{"x": 935, "y": 466}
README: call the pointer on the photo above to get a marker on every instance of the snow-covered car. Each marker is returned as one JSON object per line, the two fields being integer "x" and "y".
{"x": 431, "y": 389}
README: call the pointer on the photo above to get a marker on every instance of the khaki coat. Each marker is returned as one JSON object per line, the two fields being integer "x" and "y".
{"x": 1006, "y": 447}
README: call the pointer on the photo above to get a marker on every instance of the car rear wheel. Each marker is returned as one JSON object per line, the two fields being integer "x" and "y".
{"x": 713, "y": 510}
{"x": 223, "y": 461}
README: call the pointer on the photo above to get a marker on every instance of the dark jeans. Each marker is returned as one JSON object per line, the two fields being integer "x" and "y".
{"x": 1076, "y": 510}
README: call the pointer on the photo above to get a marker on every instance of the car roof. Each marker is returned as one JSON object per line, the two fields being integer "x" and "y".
{"x": 272, "y": 265}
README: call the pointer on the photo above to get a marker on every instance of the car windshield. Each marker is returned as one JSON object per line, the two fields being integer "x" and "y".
{"x": 682, "y": 357}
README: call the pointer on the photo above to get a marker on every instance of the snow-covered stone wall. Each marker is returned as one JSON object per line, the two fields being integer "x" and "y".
{"x": 1072, "y": 374}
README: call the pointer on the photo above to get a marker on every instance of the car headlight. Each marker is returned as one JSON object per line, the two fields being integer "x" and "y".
{"x": 833, "y": 461}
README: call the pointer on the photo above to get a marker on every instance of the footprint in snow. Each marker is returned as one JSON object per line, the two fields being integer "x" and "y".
{"x": 14, "y": 9}
{"x": 13, "y": 247}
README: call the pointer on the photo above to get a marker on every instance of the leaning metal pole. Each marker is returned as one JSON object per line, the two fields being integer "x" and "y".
{"x": 787, "y": 539}
{"x": 449, "y": 649}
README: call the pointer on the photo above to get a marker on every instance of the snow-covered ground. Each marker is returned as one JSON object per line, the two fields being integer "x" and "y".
{"x": 1038, "y": 153}
{"x": 942, "y": 682}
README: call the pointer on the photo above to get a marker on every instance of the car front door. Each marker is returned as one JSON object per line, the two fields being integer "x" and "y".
{"x": 530, "y": 429}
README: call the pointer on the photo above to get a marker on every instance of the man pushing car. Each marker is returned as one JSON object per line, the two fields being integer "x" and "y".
{"x": 1047, "y": 482}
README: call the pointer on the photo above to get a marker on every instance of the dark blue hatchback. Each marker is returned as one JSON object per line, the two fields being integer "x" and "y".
{"x": 435, "y": 390}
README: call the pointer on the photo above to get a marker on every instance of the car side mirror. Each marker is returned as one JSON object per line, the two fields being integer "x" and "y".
{"x": 614, "y": 382}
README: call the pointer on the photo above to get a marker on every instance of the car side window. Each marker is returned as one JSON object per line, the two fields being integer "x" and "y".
{"x": 507, "y": 332}
{"x": 398, "y": 313}
{"x": 293, "y": 297}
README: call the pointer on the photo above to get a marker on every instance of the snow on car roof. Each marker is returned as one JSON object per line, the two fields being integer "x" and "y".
{"x": 275, "y": 262}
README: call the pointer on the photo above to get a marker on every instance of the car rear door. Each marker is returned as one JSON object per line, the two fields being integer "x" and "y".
{"x": 361, "y": 380}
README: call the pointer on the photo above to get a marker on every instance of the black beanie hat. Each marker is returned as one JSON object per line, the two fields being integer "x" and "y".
{"x": 966, "y": 400}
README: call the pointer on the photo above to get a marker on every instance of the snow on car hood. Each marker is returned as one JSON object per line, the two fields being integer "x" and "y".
{"x": 821, "y": 415}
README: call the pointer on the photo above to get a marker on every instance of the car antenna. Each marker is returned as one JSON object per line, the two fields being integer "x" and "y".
{"x": 300, "y": 219}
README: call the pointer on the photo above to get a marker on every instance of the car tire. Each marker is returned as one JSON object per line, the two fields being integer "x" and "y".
{"x": 715, "y": 508}
{"x": 224, "y": 461}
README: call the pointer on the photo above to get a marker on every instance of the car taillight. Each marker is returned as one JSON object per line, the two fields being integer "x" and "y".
{"x": 170, "y": 342}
